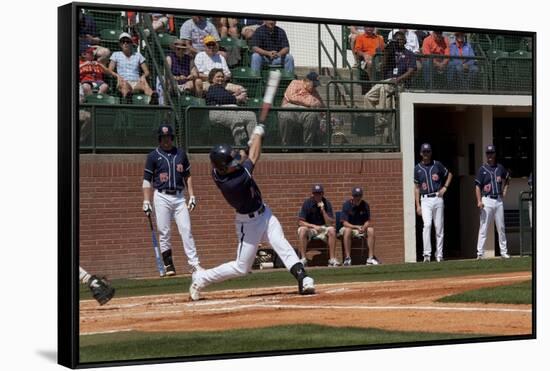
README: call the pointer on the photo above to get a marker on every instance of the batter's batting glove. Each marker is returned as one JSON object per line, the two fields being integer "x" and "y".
{"x": 101, "y": 289}
{"x": 192, "y": 203}
{"x": 147, "y": 208}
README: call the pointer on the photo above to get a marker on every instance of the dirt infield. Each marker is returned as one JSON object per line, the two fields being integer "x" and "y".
{"x": 390, "y": 305}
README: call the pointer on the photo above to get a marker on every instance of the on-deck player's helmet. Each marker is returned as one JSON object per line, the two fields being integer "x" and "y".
{"x": 223, "y": 156}
{"x": 165, "y": 129}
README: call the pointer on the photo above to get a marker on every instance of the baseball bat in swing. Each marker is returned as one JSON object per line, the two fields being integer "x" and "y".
{"x": 160, "y": 264}
{"x": 272, "y": 84}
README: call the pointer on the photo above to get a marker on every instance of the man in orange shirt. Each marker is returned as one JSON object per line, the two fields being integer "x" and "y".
{"x": 435, "y": 44}
{"x": 366, "y": 46}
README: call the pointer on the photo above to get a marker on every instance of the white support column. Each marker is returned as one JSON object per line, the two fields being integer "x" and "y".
{"x": 487, "y": 138}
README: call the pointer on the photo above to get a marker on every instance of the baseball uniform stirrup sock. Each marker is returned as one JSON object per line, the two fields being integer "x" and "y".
{"x": 299, "y": 273}
{"x": 167, "y": 257}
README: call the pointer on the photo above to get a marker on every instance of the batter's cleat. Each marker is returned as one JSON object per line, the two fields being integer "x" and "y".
{"x": 479, "y": 257}
{"x": 170, "y": 270}
{"x": 439, "y": 259}
{"x": 304, "y": 262}
{"x": 505, "y": 256}
{"x": 194, "y": 289}
{"x": 333, "y": 263}
{"x": 372, "y": 261}
{"x": 308, "y": 286}
{"x": 426, "y": 258}
{"x": 347, "y": 262}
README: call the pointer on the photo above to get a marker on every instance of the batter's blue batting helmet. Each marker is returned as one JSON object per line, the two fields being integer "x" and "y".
{"x": 223, "y": 156}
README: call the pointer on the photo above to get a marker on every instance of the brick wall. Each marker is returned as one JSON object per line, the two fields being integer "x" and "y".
{"x": 114, "y": 235}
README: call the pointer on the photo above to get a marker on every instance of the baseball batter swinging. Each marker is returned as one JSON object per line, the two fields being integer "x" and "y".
{"x": 428, "y": 178}
{"x": 254, "y": 221}
{"x": 168, "y": 169}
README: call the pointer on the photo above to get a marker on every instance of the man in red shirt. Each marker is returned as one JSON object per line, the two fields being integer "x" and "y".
{"x": 366, "y": 47}
{"x": 92, "y": 74}
{"x": 435, "y": 44}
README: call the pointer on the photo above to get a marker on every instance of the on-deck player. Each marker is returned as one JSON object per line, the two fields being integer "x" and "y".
{"x": 491, "y": 186}
{"x": 168, "y": 168}
{"x": 428, "y": 177}
{"x": 254, "y": 221}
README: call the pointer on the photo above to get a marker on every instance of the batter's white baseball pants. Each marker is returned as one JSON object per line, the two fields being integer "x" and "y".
{"x": 432, "y": 210}
{"x": 168, "y": 207}
{"x": 250, "y": 232}
{"x": 492, "y": 208}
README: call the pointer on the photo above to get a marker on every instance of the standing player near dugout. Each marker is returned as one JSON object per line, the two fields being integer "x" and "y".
{"x": 428, "y": 178}
{"x": 254, "y": 221}
{"x": 168, "y": 169}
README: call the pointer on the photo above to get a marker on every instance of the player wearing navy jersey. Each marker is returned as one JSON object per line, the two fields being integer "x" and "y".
{"x": 431, "y": 181}
{"x": 356, "y": 223}
{"x": 167, "y": 170}
{"x": 491, "y": 186}
{"x": 254, "y": 222}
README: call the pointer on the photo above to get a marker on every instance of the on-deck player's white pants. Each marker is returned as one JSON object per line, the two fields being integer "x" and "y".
{"x": 250, "y": 232}
{"x": 168, "y": 207}
{"x": 432, "y": 210}
{"x": 492, "y": 208}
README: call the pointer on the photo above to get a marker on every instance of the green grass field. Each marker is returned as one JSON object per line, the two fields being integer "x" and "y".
{"x": 135, "y": 345}
{"x": 519, "y": 293}
{"x": 280, "y": 277}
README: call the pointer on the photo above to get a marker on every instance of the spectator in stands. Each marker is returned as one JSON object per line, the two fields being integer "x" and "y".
{"x": 316, "y": 221}
{"x": 92, "y": 74}
{"x": 355, "y": 219}
{"x": 435, "y": 44}
{"x": 249, "y": 26}
{"x": 366, "y": 47}
{"x": 355, "y": 31}
{"x": 461, "y": 72}
{"x": 270, "y": 46}
{"x": 212, "y": 58}
{"x": 89, "y": 37}
{"x": 226, "y": 27}
{"x": 194, "y": 30}
{"x": 301, "y": 94}
{"x": 160, "y": 22}
{"x": 411, "y": 39}
{"x": 182, "y": 66}
{"x": 421, "y": 35}
{"x": 128, "y": 64}
{"x": 241, "y": 123}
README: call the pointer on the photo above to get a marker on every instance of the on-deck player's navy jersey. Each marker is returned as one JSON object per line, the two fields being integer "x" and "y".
{"x": 167, "y": 169}
{"x": 429, "y": 177}
{"x": 355, "y": 214}
{"x": 311, "y": 213}
{"x": 239, "y": 188}
{"x": 491, "y": 179}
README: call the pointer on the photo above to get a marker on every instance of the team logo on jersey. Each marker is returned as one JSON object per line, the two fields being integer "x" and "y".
{"x": 163, "y": 177}
{"x": 424, "y": 186}
{"x": 487, "y": 188}
{"x": 179, "y": 168}
{"x": 435, "y": 177}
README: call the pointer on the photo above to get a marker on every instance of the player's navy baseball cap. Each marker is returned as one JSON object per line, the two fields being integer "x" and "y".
{"x": 314, "y": 77}
{"x": 490, "y": 149}
{"x": 425, "y": 147}
{"x": 165, "y": 130}
{"x": 317, "y": 188}
{"x": 356, "y": 192}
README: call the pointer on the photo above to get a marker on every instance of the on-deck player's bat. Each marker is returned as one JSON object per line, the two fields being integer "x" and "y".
{"x": 272, "y": 84}
{"x": 160, "y": 264}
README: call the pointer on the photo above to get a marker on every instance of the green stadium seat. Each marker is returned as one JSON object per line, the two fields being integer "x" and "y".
{"x": 141, "y": 99}
{"x": 110, "y": 34}
{"x": 189, "y": 100}
{"x": 101, "y": 99}
{"x": 166, "y": 40}
{"x": 254, "y": 102}
{"x": 249, "y": 79}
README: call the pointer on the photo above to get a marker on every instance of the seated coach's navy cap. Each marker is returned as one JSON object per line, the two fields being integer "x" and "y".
{"x": 425, "y": 147}
{"x": 317, "y": 188}
{"x": 357, "y": 191}
{"x": 490, "y": 149}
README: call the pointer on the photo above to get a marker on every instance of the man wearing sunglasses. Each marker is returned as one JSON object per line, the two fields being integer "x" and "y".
{"x": 128, "y": 64}
{"x": 431, "y": 181}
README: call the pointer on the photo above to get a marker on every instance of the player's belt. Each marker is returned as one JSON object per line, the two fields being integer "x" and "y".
{"x": 429, "y": 194}
{"x": 170, "y": 191}
{"x": 260, "y": 211}
{"x": 494, "y": 197}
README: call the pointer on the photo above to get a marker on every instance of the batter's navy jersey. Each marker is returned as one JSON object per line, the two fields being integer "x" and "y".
{"x": 167, "y": 169}
{"x": 491, "y": 179}
{"x": 355, "y": 214}
{"x": 239, "y": 188}
{"x": 429, "y": 177}
{"x": 311, "y": 213}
